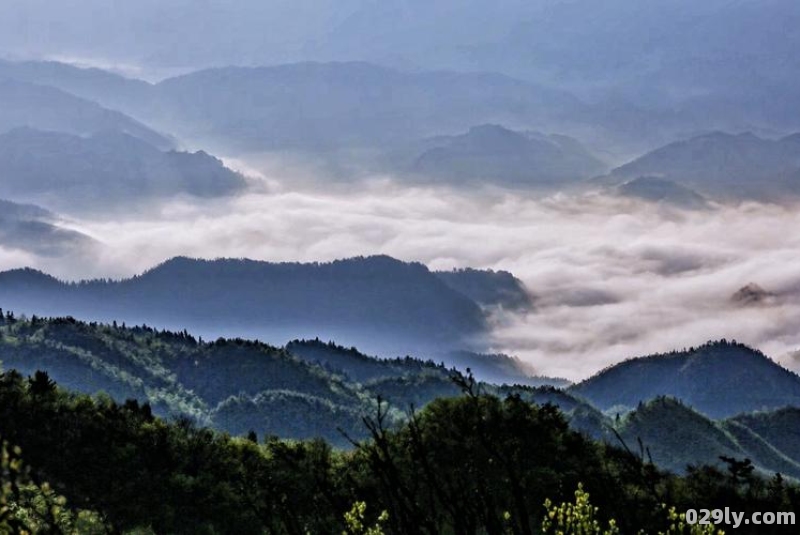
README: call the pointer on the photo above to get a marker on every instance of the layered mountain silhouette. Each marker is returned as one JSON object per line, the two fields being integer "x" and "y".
{"x": 106, "y": 168}
{"x": 303, "y": 390}
{"x": 723, "y": 166}
{"x": 493, "y": 154}
{"x": 308, "y": 106}
{"x": 48, "y": 108}
{"x": 659, "y": 190}
{"x": 719, "y": 380}
{"x": 309, "y": 388}
{"x": 31, "y": 228}
{"x": 323, "y": 105}
{"x": 382, "y": 305}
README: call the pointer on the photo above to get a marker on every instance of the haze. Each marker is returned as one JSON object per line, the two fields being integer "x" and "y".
{"x": 367, "y": 159}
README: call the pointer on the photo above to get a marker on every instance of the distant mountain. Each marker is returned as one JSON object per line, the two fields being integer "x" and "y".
{"x": 489, "y": 288}
{"x": 676, "y": 437}
{"x": 383, "y": 305}
{"x": 718, "y": 379}
{"x": 752, "y": 294}
{"x": 723, "y": 166}
{"x": 659, "y": 190}
{"x": 97, "y": 85}
{"x": 492, "y": 154}
{"x": 31, "y": 228}
{"x": 500, "y": 369}
{"x": 313, "y": 106}
{"x": 47, "y": 108}
{"x": 102, "y": 169}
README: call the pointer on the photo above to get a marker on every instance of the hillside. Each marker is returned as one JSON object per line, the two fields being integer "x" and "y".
{"x": 492, "y": 154}
{"x": 780, "y": 428}
{"x": 719, "y": 379}
{"x": 659, "y": 190}
{"x": 458, "y": 461}
{"x": 723, "y": 166}
{"x": 307, "y": 389}
{"x": 382, "y": 305}
{"x": 675, "y": 437}
{"x": 47, "y": 108}
{"x": 33, "y": 229}
{"x": 327, "y": 105}
{"x": 489, "y": 288}
{"x": 106, "y": 168}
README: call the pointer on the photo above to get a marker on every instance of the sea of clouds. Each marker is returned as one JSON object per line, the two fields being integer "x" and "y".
{"x": 612, "y": 278}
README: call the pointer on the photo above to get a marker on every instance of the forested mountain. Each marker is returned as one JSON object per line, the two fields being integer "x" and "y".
{"x": 313, "y": 389}
{"x": 724, "y": 166}
{"x": 492, "y": 154}
{"x": 677, "y": 437}
{"x": 460, "y": 465}
{"x": 307, "y": 389}
{"x": 48, "y": 108}
{"x": 489, "y": 288}
{"x": 719, "y": 379}
{"x": 31, "y": 228}
{"x": 106, "y": 168}
{"x": 382, "y": 305}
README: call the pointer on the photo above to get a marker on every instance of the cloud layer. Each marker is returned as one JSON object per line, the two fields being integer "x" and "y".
{"x": 612, "y": 278}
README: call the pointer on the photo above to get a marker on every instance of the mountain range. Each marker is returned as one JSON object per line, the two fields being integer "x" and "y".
{"x": 49, "y": 108}
{"x": 496, "y": 155}
{"x": 380, "y": 304}
{"x": 722, "y": 166}
{"x": 311, "y": 388}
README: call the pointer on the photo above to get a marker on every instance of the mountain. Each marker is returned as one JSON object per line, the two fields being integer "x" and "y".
{"x": 384, "y": 306}
{"x": 501, "y": 369}
{"x": 780, "y": 428}
{"x": 489, "y": 288}
{"x": 719, "y": 380}
{"x": 106, "y": 88}
{"x": 105, "y": 168}
{"x": 303, "y": 390}
{"x": 31, "y": 228}
{"x": 659, "y": 190}
{"x": 47, "y": 108}
{"x": 316, "y": 106}
{"x": 723, "y": 166}
{"x": 752, "y": 294}
{"x": 675, "y": 437}
{"x": 493, "y": 154}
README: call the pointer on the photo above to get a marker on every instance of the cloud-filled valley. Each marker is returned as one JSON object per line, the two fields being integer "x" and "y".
{"x": 611, "y": 277}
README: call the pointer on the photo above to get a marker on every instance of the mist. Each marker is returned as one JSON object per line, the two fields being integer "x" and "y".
{"x": 612, "y": 278}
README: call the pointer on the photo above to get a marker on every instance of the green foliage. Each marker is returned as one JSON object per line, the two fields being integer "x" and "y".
{"x": 477, "y": 463}
{"x": 577, "y": 518}
{"x": 355, "y": 521}
{"x": 28, "y": 508}
{"x": 581, "y": 518}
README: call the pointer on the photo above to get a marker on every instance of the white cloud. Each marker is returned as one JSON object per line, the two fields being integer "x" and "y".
{"x": 613, "y": 278}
